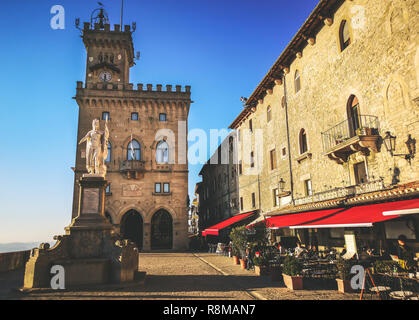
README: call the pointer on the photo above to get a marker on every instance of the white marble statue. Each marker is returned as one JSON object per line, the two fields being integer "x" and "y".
{"x": 96, "y": 148}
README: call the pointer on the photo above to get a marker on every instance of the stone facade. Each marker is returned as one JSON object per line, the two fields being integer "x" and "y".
{"x": 218, "y": 191}
{"x": 146, "y": 115}
{"x": 349, "y": 76}
{"x": 379, "y": 68}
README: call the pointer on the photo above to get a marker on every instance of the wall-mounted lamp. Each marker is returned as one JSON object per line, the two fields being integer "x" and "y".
{"x": 390, "y": 144}
{"x": 281, "y": 185}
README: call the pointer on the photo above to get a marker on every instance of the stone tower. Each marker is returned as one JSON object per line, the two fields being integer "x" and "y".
{"x": 147, "y": 167}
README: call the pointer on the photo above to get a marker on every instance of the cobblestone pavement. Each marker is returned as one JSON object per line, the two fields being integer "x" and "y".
{"x": 189, "y": 275}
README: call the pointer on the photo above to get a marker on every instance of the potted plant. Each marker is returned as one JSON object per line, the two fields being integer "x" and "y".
{"x": 236, "y": 255}
{"x": 238, "y": 238}
{"x": 343, "y": 272}
{"x": 261, "y": 264}
{"x": 291, "y": 273}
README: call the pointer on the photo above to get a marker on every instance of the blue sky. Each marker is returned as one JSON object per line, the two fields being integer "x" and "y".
{"x": 222, "y": 48}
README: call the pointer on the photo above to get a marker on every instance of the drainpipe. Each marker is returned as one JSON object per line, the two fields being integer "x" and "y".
{"x": 288, "y": 139}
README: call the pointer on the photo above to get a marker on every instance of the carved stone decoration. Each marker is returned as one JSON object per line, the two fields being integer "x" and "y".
{"x": 311, "y": 41}
{"x": 328, "y": 21}
{"x": 131, "y": 190}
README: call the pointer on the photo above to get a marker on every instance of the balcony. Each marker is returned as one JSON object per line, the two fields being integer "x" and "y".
{"x": 351, "y": 136}
{"x": 132, "y": 168}
{"x": 342, "y": 192}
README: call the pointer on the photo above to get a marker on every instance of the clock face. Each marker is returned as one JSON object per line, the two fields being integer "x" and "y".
{"x": 105, "y": 76}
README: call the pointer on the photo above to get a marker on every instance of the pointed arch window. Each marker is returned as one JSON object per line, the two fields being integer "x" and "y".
{"x": 303, "y": 141}
{"x": 297, "y": 81}
{"x": 162, "y": 152}
{"x": 134, "y": 150}
{"x": 353, "y": 115}
{"x": 344, "y": 35}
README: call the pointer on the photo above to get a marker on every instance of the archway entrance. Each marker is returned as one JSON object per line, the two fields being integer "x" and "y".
{"x": 161, "y": 230}
{"x": 132, "y": 227}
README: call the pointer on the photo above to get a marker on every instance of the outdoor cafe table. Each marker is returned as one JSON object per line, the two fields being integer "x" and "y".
{"x": 399, "y": 283}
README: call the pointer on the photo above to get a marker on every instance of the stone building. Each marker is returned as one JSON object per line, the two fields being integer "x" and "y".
{"x": 147, "y": 169}
{"x": 218, "y": 193}
{"x": 316, "y": 133}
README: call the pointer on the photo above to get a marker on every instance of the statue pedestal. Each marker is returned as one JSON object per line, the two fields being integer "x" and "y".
{"x": 89, "y": 251}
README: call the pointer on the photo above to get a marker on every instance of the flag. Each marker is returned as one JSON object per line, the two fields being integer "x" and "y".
{"x": 132, "y": 150}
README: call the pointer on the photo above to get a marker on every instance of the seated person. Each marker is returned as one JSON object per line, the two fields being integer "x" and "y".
{"x": 299, "y": 250}
{"x": 404, "y": 254}
{"x": 313, "y": 253}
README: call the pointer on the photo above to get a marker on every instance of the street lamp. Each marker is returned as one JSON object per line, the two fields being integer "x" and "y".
{"x": 390, "y": 144}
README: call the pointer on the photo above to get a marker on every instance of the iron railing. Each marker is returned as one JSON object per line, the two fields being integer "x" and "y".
{"x": 363, "y": 125}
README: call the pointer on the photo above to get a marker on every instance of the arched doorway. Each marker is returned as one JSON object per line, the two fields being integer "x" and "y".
{"x": 132, "y": 227}
{"x": 161, "y": 230}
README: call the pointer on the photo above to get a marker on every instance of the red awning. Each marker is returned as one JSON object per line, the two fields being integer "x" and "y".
{"x": 214, "y": 230}
{"x": 287, "y": 220}
{"x": 362, "y": 216}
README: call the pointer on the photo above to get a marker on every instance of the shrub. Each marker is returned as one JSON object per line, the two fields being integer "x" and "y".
{"x": 260, "y": 259}
{"x": 292, "y": 266}
{"x": 239, "y": 239}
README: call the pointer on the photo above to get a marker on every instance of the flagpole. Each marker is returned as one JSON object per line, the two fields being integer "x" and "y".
{"x": 122, "y": 9}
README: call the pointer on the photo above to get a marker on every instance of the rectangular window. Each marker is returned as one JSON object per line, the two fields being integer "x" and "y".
{"x": 162, "y": 117}
{"x": 307, "y": 187}
{"x": 251, "y": 125}
{"x": 360, "y": 173}
{"x": 105, "y": 115}
{"x": 276, "y": 197}
{"x": 253, "y": 200}
{"x": 240, "y": 167}
{"x": 134, "y": 116}
{"x": 166, "y": 187}
{"x": 241, "y": 203}
{"x": 252, "y": 159}
{"x": 108, "y": 188}
{"x": 157, "y": 188}
{"x": 273, "y": 159}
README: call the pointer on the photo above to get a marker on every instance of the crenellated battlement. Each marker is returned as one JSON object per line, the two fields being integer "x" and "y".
{"x": 130, "y": 87}
{"x": 107, "y": 28}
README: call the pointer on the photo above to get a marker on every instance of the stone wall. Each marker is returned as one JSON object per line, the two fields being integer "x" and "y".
{"x": 10, "y": 261}
{"x": 379, "y": 67}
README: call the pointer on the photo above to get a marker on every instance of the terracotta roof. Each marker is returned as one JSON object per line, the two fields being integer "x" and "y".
{"x": 313, "y": 24}
{"x": 392, "y": 193}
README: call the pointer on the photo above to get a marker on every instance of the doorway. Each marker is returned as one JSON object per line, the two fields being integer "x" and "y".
{"x": 161, "y": 230}
{"x": 132, "y": 227}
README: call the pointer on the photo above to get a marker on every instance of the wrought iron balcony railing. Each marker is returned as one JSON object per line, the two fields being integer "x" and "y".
{"x": 364, "y": 125}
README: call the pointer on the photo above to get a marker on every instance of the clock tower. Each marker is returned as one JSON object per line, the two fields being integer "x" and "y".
{"x": 110, "y": 54}
{"x": 147, "y": 168}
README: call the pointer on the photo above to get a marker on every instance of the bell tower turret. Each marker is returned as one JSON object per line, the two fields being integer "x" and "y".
{"x": 110, "y": 53}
